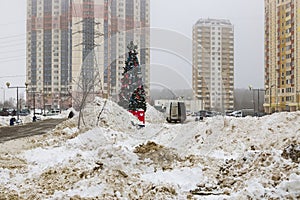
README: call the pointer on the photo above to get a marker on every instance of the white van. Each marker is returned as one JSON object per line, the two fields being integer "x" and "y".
{"x": 176, "y": 112}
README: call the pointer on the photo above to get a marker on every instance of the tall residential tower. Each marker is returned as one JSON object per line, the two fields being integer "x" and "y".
{"x": 213, "y": 64}
{"x": 65, "y": 37}
{"x": 49, "y": 41}
{"x": 282, "y": 55}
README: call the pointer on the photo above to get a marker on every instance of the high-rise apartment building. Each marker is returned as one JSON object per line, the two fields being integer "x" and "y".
{"x": 213, "y": 64}
{"x": 65, "y": 37}
{"x": 49, "y": 40}
{"x": 282, "y": 55}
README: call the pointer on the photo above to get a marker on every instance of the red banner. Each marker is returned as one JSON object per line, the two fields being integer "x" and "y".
{"x": 140, "y": 114}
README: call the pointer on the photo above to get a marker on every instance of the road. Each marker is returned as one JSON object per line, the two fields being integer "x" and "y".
{"x": 35, "y": 128}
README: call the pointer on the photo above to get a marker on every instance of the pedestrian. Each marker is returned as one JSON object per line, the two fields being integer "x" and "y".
{"x": 12, "y": 121}
{"x": 71, "y": 114}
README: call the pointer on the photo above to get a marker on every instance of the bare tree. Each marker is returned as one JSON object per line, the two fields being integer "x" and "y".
{"x": 87, "y": 85}
{"x": 8, "y": 103}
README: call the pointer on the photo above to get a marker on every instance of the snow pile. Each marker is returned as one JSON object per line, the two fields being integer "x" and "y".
{"x": 106, "y": 113}
{"x": 4, "y": 121}
{"x": 218, "y": 158}
{"x": 153, "y": 115}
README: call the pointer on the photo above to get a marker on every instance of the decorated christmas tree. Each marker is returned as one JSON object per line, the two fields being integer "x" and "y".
{"x": 132, "y": 94}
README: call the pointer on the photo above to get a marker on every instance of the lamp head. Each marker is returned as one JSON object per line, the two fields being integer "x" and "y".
{"x": 7, "y": 84}
{"x": 250, "y": 87}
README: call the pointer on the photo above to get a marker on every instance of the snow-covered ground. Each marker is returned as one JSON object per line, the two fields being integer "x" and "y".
{"x": 218, "y": 158}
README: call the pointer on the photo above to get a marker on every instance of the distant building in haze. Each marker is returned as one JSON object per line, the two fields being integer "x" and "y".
{"x": 282, "y": 55}
{"x": 213, "y": 63}
{"x": 65, "y": 37}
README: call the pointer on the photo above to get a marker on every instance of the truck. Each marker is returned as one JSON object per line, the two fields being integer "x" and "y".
{"x": 176, "y": 112}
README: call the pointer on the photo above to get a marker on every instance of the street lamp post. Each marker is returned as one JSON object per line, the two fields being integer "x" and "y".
{"x": 298, "y": 98}
{"x": 33, "y": 104}
{"x": 258, "y": 91}
{"x": 17, "y": 87}
{"x": 251, "y": 89}
{"x": 43, "y": 102}
{"x": 3, "y": 95}
{"x": 60, "y": 102}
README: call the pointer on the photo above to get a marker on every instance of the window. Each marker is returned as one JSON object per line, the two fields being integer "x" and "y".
{"x": 287, "y": 14}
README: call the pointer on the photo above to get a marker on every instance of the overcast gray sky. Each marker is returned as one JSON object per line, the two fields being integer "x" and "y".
{"x": 12, "y": 45}
{"x": 173, "y": 17}
{"x": 178, "y": 16}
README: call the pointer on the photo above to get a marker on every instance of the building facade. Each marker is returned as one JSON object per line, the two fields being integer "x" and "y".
{"x": 282, "y": 54}
{"x": 213, "y": 64}
{"x": 49, "y": 65}
{"x": 68, "y": 38}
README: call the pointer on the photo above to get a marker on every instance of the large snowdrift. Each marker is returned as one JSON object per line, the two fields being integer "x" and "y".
{"x": 221, "y": 157}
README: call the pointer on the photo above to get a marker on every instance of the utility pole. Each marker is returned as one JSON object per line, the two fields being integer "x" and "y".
{"x": 90, "y": 45}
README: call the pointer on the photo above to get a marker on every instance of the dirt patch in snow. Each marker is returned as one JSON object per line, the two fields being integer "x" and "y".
{"x": 161, "y": 156}
{"x": 58, "y": 179}
{"x": 292, "y": 152}
{"x": 11, "y": 162}
{"x": 234, "y": 175}
{"x": 149, "y": 147}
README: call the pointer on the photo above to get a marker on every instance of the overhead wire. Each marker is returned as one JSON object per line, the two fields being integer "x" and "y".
{"x": 17, "y": 50}
{"x": 12, "y": 76}
{"x": 17, "y": 56}
{"x": 12, "y": 36}
{"x": 12, "y": 60}
{"x": 20, "y": 41}
{"x": 15, "y": 22}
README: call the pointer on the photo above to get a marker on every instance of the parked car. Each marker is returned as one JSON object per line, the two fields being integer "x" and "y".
{"x": 38, "y": 111}
{"x": 205, "y": 113}
{"x": 243, "y": 113}
{"x": 160, "y": 108}
{"x": 259, "y": 114}
{"x": 228, "y": 112}
{"x": 53, "y": 112}
{"x": 4, "y": 112}
{"x": 12, "y": 111}
{"x": 24, "y": 112}
{"x": 188, "y": 113}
